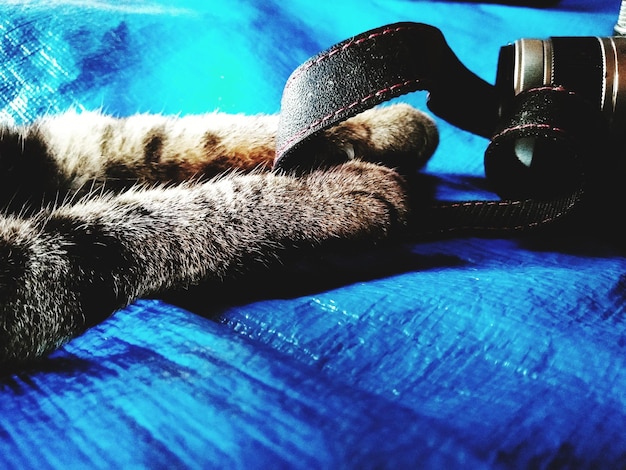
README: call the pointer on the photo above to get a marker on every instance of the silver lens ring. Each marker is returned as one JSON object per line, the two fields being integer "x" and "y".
{"x": 614, "y": 93}
{"x": 529, "y": 64}
{"x": 533, "y": 64}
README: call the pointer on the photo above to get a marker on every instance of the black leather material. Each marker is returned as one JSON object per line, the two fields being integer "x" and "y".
{"x": 546, "y": 145}
{"x": 494, "y": 218}
{"x": 541, "y": 158}
{"x": 545, "y": 160}
{"x": 374, "y": 67}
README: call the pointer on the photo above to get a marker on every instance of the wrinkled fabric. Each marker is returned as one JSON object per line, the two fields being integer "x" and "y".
{"x": 458, "y": 353}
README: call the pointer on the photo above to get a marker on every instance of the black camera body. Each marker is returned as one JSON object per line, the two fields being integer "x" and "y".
{"x": 555, "y": 117}
{"x": 578, "y": 136}
{"x": 592, "y": 67}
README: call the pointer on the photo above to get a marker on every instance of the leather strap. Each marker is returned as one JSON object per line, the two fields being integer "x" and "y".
{"x": 538, "y": 159}
{"x": 374, "y": 67}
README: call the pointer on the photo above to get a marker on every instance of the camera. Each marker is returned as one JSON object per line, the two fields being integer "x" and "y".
{"x": 592, "y": 67}
{"x": 555, "y": 116}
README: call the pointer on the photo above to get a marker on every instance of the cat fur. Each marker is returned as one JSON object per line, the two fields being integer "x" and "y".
{"x": 100, "y": 211}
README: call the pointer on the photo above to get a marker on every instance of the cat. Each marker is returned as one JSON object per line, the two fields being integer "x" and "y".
{"x": 100, "y": 211}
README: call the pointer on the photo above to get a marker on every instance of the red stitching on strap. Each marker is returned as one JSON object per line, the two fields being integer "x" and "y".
{"x": 520, "y": 127}
{"x": 317, "y": 123}
{"x": 332, "y": 52}
{"x": 507, "y": 203}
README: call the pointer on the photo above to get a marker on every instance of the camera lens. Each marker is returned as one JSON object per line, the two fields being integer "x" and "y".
{"x": 592, "y": 67}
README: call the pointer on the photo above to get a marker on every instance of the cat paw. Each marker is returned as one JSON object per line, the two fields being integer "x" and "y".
{"x": 369, "y": 201}
{"x": 398, "y": 136}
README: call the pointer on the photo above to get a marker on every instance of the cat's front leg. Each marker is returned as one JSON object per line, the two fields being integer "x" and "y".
{"x": 67, "y": 269}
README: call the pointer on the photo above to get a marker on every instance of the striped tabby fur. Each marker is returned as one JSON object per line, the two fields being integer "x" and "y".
{"x": 99, "y": 211}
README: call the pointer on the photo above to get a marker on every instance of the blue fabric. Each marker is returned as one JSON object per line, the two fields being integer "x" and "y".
{"x": 464, "y": 353}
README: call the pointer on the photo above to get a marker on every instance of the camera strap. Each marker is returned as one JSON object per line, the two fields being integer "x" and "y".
{"x": 392, "y": 60}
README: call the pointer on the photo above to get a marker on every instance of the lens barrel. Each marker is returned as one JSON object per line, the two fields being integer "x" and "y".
{"x": 592, "y": 67}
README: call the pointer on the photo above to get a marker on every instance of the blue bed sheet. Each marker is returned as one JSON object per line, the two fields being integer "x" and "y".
{"x": 457, "y": 353}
